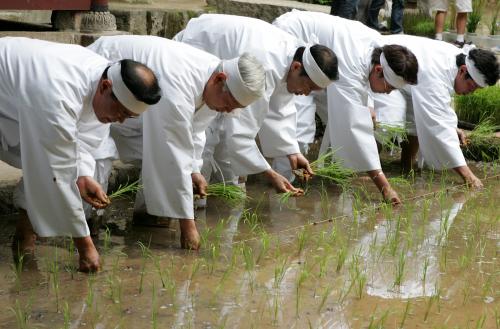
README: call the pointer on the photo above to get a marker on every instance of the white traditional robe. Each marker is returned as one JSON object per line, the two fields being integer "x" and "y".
{"x": 273, "y": 117}
{"x": 435, "y": 120}
{"x": 173, "y": 129}
{"x": 46, "y": 112}
{"x": 349, "y": 123}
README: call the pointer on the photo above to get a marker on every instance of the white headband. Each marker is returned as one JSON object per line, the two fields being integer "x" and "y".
{"x": 236, "y": 85}
{"x": 312, "y": 69}
{"x": 392, "y": 78}
{"x": 475, "y": 74}
{"x": 122, "y": 93}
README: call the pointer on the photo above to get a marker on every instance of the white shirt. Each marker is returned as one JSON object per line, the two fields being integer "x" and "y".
{"x": 349, "y": 122}
{"x": 46, "y": 94}
{"x": 273, "y": 117}
{"x": 173, "y": 129}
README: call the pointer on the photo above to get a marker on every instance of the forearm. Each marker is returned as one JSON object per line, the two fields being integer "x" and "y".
{"x": 379, "y": 179}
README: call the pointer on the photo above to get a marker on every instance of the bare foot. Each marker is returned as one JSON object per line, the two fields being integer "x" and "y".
{"x": 190, "y": 239}
{"x": 89, "y": 257}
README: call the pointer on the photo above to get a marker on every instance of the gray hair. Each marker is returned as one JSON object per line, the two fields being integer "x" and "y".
{"x": 252, "y": 73}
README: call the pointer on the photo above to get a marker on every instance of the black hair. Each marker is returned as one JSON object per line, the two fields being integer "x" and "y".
{"x": 400, "y": 59}
{"x": 324, "y": 57}
{"x": 141, "y": 81}
{"x": 485, "y": 61}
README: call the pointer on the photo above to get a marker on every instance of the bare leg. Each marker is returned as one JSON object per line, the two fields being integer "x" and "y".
{"x": 461, "y": 22}
{"x": 439, "y": 21}
{"x": 25, "y": 237}
{"x": 190, "y": 239}
{"x": 89, "y": 257}
{"x": 409, "y": 151}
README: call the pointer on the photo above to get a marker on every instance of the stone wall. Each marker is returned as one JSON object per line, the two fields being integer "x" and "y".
{"x": 154, "y": 22}
{"x": 262, "y": 9}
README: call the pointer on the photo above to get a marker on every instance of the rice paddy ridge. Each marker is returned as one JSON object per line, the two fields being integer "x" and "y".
{"x": 330, "y": 220}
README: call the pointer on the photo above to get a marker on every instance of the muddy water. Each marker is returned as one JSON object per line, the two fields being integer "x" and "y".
{"x": 331, "y": 259}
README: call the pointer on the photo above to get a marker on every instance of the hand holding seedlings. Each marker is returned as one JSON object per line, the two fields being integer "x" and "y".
{"x": 92, "y": 192}
{"x": 199, "y": 185}
{"x": 281, "y": 184}
{"x": 462, "y": 137}
{"x": 298, "y": 161}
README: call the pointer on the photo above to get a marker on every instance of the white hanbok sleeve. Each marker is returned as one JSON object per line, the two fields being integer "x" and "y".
{"x": 241, "y": 131}
{"x": 168, "y": 156}
{"x": 202, "y": 119}
{"x": 436, "y": 124}
{"x": 50, "y": 168}
{"x": 278, "y": 134}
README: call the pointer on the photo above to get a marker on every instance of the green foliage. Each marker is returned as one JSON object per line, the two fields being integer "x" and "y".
{"x": 475, "y": 16}
{"x": 482, "y": 104}
{"x": 419, "y": 24}
{"x": 494, "y": 20}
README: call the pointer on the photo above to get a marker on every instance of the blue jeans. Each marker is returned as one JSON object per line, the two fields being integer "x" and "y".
{"x": 344, "y": 8}
{"x": 396, "y": 15}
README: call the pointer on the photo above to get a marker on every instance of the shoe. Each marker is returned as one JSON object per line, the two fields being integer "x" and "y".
{"x": 382, "y": 28}
{"x": 460, "y": 44}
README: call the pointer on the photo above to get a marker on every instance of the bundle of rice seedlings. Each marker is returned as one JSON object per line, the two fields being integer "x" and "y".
{"x": 478, "y": 106}
{"x": 125, "y": 190}
{"x": 387, "y": 134}
{"x": 231, "y": 193}
{"x": 334, "y": 171}
{"x": 482, "y": 145}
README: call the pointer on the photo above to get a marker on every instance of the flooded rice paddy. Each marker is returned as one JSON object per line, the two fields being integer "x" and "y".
{"x": 330, "y": 259}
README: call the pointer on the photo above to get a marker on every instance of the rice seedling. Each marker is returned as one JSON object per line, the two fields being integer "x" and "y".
{"x": 124, "y": 191}
{"x": 115, "y": 288}
{"x": 405, "y": 314}
{"x": 477, "y": 106}
{"x": 66, "y": 315}
{"x": 195, "y": 267}
{"x": 22, "y": 314}
{"x": 324, "y": 297}
{"x": 324, "y": 167}
{"x": 302, "y": 238}
{"x": 380, "y": 324}
{"x": 17, "y": 269}
{"x": 390, "y": 135}
{"x": 400, "y": 268}
{"x": 284, "y": 197}
{"x": 107, "y": 240}
{"x": 304, "y": 274}
{"x": 248, "y": 257}
{"x": 341, "y": 257}
{"x": 480, "y": 322}
{"x": 145, "y": 253}
{"x": 232, "y": 194}
{"x": 264, "y": 246}
{"x": 252, "y": 219}
{"x": 53, "y": 275}
{"x": 154, "y": 307}
{"x": 425, "y": 268}
{"x": 279, "y": 272}
{"x": 481, "y": 143}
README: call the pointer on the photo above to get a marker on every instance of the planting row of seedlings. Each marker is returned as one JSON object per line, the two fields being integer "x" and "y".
{"x": 301, "y": 276}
